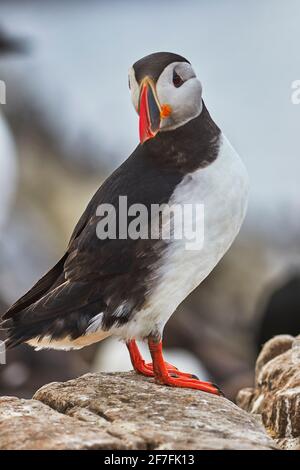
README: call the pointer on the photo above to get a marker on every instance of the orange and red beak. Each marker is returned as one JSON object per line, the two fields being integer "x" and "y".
{"x": 149, "y": 111}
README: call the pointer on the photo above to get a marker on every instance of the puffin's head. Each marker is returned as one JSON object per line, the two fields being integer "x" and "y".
{"x": 165, "y": 93}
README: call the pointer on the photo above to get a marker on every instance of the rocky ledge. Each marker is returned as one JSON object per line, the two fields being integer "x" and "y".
{"x": 126, "y": 411}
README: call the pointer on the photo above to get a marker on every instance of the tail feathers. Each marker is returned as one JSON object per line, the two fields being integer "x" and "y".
{"x": 72, "y": 327}
{"x": 38, "y": 290}
{"x": 65, "y": 311}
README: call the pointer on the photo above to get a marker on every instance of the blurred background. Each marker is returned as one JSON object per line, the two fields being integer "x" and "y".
{"x": 68, "y": 122}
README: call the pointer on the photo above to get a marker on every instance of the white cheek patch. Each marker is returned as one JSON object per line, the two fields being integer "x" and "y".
{"x": 134, "y": 88}
{"x": 185, "y": 101}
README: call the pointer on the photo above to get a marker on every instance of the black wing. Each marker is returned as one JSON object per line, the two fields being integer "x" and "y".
{"x": 96, "y": 275}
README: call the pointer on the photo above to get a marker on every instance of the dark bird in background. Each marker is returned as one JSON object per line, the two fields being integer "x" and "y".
{"x": 9, "y": 45}
{"x": 280, "y": 314}
{"x": 130, "y": 287}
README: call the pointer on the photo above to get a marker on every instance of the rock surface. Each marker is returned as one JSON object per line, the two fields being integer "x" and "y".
{"x": 126, "y": 411}
{"x": 276, "y": 396}
{"x": 28, "y": 424}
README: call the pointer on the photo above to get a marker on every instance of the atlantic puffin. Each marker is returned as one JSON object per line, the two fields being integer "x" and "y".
{"x": 129, "y": 287}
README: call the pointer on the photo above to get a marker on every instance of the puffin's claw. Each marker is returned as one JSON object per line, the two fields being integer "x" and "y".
{"x": 219, "y": 390}
{"x": 184, "y": 382}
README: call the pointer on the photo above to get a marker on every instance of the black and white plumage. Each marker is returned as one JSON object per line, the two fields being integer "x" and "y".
{"x": 129, "y": 288}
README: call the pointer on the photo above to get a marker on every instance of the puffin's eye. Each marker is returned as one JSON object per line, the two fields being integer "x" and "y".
{"x": 129, "y": 83}
{"x": 177, "y": 80}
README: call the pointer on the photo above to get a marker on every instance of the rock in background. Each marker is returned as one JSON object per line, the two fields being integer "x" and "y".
{"x": 276, "y": 395}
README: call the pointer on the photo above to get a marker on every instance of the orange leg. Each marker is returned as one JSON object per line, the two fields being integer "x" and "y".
{"x": 144, "y": 368}
{"x": 162, "y": 375}
{"x": 137, "y": 361}
{"x": 163, "y": 372}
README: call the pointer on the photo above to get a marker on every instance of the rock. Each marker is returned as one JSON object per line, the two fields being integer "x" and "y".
{"x": 276, "y": 396}
{"x": 126, "y": 411}
{"x": 28, "y": 424}
{"x": 144, "y": 415}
